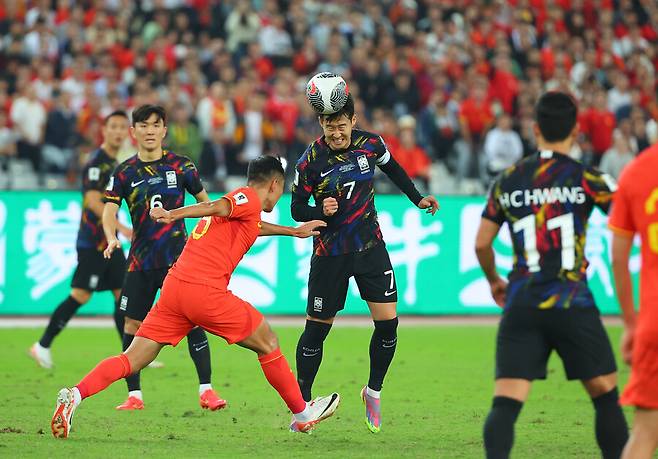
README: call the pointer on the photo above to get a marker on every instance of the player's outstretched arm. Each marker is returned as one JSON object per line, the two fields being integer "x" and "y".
{"x": 305, "y": 230}
{"x": 398, "y": 176}
{"x": 110, "y": 225}
{"x": 487, "y": 259}
{"x": 218, "y": 208}
{"x": 621, "y": 250}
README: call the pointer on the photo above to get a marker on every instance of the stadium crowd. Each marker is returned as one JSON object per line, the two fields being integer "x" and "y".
{"x": 449, "y": 84}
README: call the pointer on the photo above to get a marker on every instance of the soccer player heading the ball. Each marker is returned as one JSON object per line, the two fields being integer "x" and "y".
{"x": 546, "y": 199}
{"x": 337, "y": 170}
{"x": 195, "y": 293}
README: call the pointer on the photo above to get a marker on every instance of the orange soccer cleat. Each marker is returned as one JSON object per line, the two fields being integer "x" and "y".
{"x": 132, "y": 403}
{"x": 210, "y": 400}
{"x": 63, "y": 417}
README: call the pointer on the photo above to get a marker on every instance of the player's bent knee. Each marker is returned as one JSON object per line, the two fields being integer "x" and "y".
{"x": 517, "y": 389}
{"x": 80, "y": 295}
{"x": 131, "y": 326}
{"x": 600, "y": 385}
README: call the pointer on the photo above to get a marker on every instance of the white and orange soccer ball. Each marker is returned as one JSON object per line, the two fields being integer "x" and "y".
{"x": 327, "y": 92}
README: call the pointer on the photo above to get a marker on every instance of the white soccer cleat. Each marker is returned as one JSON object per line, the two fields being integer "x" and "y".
{"x": 41, "y": 355}
{"x": 321, "y": 409}
{"x": 63, "y": 416}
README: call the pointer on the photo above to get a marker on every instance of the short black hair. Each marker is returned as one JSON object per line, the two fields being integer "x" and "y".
{"x": 556, "y": 114}
{"x": 120, "y": 113}
{"x": 263, "y": 169}
{"x": 144, "y": 112}
{"x": 347, "y": 110}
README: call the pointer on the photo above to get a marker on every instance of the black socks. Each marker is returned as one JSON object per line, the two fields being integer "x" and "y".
{"x": 133, "y": 379}
{"x": 610, "y": 425}
{"x": 499, "y": 427}
{"x": 197, "y": 344}
{"x": 309, "y": 355}
{"x": 382, "y": 349}
{"x": 58, "y": 320}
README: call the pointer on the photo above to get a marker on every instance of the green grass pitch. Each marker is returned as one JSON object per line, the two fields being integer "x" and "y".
{"x": 434, "y": 402}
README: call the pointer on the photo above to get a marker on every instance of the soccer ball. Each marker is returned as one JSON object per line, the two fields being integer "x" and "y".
{"x": 327, "y": 93}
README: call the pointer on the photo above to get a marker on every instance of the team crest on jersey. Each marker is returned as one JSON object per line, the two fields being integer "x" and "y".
{"x": 240, "y": 198}
{"x": 94, "y": 173}
{"x": 363, "y": 164}
{"x": 172, "y": 181}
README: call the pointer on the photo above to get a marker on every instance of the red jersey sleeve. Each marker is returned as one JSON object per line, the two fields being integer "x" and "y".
{"x": 245, "y": 204}
{"x": 621, "y": 216}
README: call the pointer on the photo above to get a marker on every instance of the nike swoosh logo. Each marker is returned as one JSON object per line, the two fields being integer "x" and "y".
{"x": 390, "y": 293}
{"x": 389, "y": 346}
{"x": 324, "y": 174}
{"x": 309, "y": 355}
{"x": 197, "y": 349}
{"x": 134, "y": 184}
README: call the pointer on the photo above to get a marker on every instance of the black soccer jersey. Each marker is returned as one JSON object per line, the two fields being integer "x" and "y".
{"x": 144, "y": 185}
{"x": 346, "y": 175}
{"x": 95, "y": 176}
{"x": 546, "y": 200}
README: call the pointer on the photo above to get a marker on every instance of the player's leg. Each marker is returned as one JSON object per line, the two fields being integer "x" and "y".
{"x": 113, "y": 279}
{"x": 117, "y": 315}
{"x": 141, "y": 352}
{"x": 643, "y": 441}
{"x": 264, "y": 342}
{"x": 376, "y": 280}
{"x": 199, "y": 349}
{"x": 136, "y": 300}
{"x": 522, "y": 351}
{"x": 40, "y": 351}
{"x": 610, "y": 424}
{"x": 586, "y": 352}
{"x": 327, "y": 290}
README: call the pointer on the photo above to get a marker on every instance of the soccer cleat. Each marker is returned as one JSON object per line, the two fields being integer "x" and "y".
{"x": 63, "y": 416}
{"x": 41, "y": 355}
{"x": 209, "y": 400}
{"x": 321, "y": 409}
{"x": 373, "y": 411}
{"x": 132, "y": 403}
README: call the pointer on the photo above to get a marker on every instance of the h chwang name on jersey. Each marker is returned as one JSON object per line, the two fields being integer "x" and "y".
{"x": 539, "y": 196}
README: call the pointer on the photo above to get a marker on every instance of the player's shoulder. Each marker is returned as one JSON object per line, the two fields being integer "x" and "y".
{"x": 178, "y": 161}
{"x": 644, "y": 164}
{"x": 313, "y": 153}
{"x": 361, "y": 138}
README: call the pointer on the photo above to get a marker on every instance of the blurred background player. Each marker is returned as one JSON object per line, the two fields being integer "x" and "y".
{"x": 546, "y": 200}
{"x": 93, "y": 273}
{"x": 635, "y": 210}
{"x": 337, "y": 170}
{"x": 153, "y": 178}
{"x": 195, "y": 292}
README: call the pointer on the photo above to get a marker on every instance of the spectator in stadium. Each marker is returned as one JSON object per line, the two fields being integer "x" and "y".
{"x": 275, "y": 41}
{"x": 60, "y": 136}
{"x": 7, "y": 142}
{"x": 28, "y": 116}
{"x": 475, "y": 118}
{"x": 598, "y": 123}
{"x": 619, "y": 96}
{"x": 617, "y": 157}
{"x": 183, "y": 136}
{"x": 410, "y": 156}
{"x": 502, "y": 146}
{"x": 242, "y": 26}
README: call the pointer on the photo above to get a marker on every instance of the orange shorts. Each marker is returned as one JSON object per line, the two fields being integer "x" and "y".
{"x": 183, "y": 305}
{"x": 642, "y": 388}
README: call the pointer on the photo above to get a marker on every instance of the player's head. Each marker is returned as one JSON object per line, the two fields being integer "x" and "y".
{"x": 266, "y": 174}
{"x": 149, "y": 127}
{"x": 115, "y": 129}
{"x": 555, "y": 117}
{"x": 338, "y": 126}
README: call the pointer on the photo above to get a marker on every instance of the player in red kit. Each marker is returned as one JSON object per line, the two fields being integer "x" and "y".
{"x": 635, "y": 211}
{"x": 195, "y": 293}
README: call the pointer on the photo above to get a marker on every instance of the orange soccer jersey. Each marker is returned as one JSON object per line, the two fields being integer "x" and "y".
{"x": 195, "y": 290}
{"x": 635, "y": 210}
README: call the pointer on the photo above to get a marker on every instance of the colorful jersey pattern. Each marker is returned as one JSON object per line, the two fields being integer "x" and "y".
{"x": 217, "y": 244}
{"x": 635, "y": 210}
{"x": 143, "y": 185}
{"x": 546, "y": 200}
{"x": 95, "y": 177}
{"x": 346, "y": 175}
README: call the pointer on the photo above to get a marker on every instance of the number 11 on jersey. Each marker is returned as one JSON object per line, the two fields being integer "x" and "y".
{"x": 567, "y": 240}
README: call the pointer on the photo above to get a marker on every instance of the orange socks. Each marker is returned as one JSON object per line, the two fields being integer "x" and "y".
{"x": 109, "y": 370}
{"x": 280, "y": 376}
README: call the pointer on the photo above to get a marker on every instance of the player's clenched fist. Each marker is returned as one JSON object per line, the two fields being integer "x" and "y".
{"x": 329, "y": 206}
{"x": 161, "y": 215}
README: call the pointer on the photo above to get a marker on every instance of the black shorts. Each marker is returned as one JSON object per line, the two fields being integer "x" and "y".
{"x": 139, "y": 291}
{"x": 95, "y": 274}
{"x": 329, "y": 278}
{"x": 527, "y": 336}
